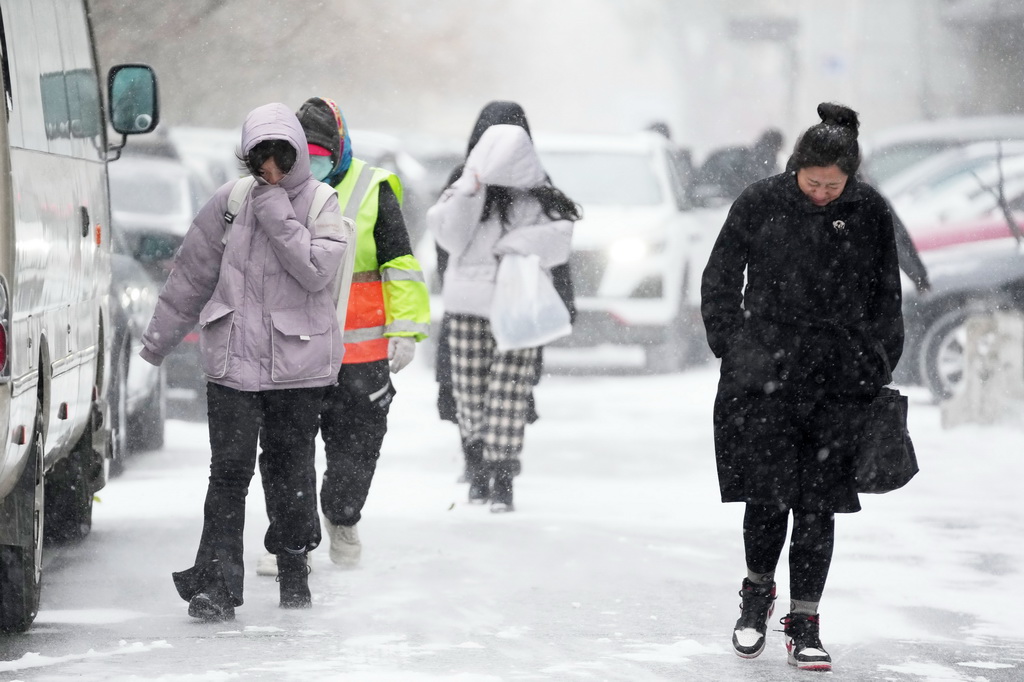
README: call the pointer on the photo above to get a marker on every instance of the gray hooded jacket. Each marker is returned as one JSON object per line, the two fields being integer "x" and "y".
{"x": 266, "y": 315}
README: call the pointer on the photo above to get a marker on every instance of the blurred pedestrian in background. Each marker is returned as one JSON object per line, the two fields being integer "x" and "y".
{"x": 661, "y": 128}
{"x": 764, "y": 155}
{"x": 258, "y": 286}
{"x": 728, "y": 170}
{"x": 385, "y": 312}
{"x": 801, "y": 300}
{"x": 502, "y": 202}
{"x": 681, "y": 158}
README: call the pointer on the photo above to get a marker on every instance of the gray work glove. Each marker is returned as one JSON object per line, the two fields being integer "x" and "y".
{"x": 401, "y": 350}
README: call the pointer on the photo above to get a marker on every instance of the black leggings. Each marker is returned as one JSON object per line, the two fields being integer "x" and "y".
{"x": 810, "y": 550}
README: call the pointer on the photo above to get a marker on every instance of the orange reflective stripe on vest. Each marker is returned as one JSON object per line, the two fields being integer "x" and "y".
{"x": 366, "y": 311}
{"x": 366, "y": 351}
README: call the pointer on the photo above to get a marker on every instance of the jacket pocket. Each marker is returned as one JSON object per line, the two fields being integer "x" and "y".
{"x": 302, "y": 346}
{"x": 215, "y": 322}
{"x": 750, "y": 366}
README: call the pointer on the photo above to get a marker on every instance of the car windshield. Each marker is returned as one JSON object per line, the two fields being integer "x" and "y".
{"x": 886, "y": 163}
{"x": 146, "y": 193}
{"x": 604, "y": 178}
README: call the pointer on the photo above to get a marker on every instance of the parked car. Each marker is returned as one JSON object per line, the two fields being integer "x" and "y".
{"x": 638, "y": 251}
{"x": 137, "y": 404}
{"x": 153, "y": 200}
{"x": 946, "y": 167}
{"x": 975, "y": 267}
{"x": 963, "y": 196}
{"x": 895, "y": 149}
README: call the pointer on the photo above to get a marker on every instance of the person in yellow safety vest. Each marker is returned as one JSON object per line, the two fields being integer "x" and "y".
{"x": 387, "y": 311}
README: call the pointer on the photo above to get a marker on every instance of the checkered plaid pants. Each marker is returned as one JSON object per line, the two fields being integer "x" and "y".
{"x": 491, "y": 389}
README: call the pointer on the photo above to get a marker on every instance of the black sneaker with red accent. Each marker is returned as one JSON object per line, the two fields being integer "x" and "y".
{"x": 803, "y": 643}
{"x": 756, "y": 608}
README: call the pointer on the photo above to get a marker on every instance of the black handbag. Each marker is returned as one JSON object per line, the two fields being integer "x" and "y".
{"x": 886, "y": 459}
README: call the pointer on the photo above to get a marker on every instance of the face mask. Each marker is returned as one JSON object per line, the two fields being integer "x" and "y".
{"x": 320, "y": 166}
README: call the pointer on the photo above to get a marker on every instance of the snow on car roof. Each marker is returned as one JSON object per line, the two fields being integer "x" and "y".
{"x": 964, "y": 129}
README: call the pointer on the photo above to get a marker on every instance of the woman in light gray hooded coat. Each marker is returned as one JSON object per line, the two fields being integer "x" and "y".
{"x": 502, "y": 203}
{"x": 270, "y": 344}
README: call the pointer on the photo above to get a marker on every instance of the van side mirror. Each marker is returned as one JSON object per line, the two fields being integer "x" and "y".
{"x": 133, "y": 99}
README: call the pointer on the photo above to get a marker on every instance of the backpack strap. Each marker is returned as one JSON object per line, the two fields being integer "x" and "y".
{"x": 323, "y": 193}
{"x": 239, "y": 192}
{"x": 343, "y": 282}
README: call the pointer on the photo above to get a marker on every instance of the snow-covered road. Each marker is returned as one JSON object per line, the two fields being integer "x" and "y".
{"x": 620, "y": 563}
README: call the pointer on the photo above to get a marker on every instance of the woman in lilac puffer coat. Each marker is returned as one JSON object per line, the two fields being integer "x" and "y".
{"x": 270, "y": 344}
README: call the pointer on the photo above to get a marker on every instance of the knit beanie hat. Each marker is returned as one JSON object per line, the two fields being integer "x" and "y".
{"x": 318, "y": 122}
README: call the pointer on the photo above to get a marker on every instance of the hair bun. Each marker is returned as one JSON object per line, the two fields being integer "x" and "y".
{"x": 839, "y": 115}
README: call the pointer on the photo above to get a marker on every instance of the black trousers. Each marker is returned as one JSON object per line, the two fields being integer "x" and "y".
{"x": 353, "y": 421}
{"x": 284, "y": 422}
{"x": 810, "y": 549}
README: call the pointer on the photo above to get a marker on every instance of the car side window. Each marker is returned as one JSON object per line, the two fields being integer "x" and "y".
{"x": 56, "y": 118}
{"x": 26, "y": 126}
{"x": 85, "y": 126}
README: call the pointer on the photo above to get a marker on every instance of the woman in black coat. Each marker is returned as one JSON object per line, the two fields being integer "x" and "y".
{"x": 801, "y": 301}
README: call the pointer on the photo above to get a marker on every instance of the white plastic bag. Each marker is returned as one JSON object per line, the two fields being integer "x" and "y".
{"x": 526, "y": 311}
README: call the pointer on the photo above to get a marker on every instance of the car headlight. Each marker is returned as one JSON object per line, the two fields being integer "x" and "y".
{"x": 630, "y": 250}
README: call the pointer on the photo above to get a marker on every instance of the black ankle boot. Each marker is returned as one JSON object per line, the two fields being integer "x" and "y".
{"x": 212, "y": 606}
{"x": 478, "y": 473}
{"x": 293, "y": 575}
{"x": 501, "y": 490}
{"x": 202, "y": 586}
{"x": 480, "y": 485}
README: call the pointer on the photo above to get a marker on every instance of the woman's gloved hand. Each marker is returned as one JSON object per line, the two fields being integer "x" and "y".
{"x": 270, "y": 205}
{"x": 401, "y": 350}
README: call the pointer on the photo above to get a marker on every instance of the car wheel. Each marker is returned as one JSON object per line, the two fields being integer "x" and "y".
{"x": 21, "y": 567}
{"x": 671, "y": 355}
{"x": 943, "y": 354}
{"x": 69, "y": 496}
{"x": 146, "y": 427}
{"x": 684, "y": 344}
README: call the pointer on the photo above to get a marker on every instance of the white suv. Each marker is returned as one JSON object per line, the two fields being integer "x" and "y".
{"x": 639, "y": 250}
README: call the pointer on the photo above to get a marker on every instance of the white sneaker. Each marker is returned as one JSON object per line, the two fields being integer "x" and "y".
{"x": 345, "y": 546}
{"x": 267, "y": 564}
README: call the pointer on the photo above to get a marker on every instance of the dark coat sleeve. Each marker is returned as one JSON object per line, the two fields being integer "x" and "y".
{"x": 886, "y": 321}
{"x": 910, "y": 259}
{"x": 722, "y": 282}
{"x": 389, "y": 232}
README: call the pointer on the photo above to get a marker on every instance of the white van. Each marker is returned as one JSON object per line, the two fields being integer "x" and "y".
{"x": 54, "y": 281}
